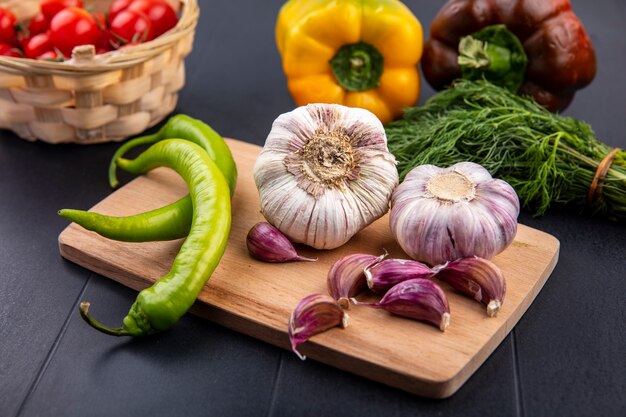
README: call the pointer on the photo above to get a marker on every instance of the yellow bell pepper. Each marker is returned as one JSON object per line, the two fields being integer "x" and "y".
{"x": 359, "y": 53}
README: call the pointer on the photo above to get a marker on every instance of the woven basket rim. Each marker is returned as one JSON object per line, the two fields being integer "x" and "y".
{"x": 113, "y": 60}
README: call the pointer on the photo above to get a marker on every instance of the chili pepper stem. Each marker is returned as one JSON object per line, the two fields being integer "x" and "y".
{"x": 121, "y": 151}
{"x": 84, "y": 313}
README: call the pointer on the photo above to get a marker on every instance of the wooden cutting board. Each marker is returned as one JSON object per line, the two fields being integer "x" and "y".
{"x": 256, "y": 298}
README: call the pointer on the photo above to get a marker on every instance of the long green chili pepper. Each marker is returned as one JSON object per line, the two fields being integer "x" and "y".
{"x": 160, "y": 306}
{"x": 174, "y": 220}
{"x": 193, "y": 130}
{"x": 165, "y": 223}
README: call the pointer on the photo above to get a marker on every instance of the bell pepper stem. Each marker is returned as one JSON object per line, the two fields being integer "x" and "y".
{"x": 357, "y": 66}
{"x": 472, "y": 53}
{"x": 84, "y": 313}
{"x": 493, "y": 53}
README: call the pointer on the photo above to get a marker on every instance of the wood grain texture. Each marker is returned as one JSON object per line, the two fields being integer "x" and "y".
{"x": 257, "y": 298}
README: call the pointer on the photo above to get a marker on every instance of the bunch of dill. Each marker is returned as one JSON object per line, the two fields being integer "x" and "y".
{"x": 547, "y": 158}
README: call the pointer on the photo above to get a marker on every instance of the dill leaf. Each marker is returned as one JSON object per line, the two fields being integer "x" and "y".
{"x": 547, "y": 158}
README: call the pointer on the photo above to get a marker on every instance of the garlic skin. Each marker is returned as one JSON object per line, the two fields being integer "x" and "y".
{"x": 383, "y": 275}
{"x": 314, "y": 314}
{"x": 266, "y": 243}
{"x": 477, "y": 277}
{"x": 440, "y": 215}
{"x": 325, "y": 173}
{"x": 419, "y": 299}
{"x": 346, "y": 278}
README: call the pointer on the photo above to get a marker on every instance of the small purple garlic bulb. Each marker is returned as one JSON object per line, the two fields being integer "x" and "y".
{"x": 325, "y": 173}
{"x": 440, "y": 215}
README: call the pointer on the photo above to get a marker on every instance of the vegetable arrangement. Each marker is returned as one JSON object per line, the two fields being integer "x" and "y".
{"x": 205, "y": 214}
{"x": 325, "y": 173}
{"x": 61, "y": 25}
{"x": 329, "y": 168}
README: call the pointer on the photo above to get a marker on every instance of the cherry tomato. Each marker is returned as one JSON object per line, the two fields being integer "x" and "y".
{"x": 9, "y": 50}
{"x": 116, "y": 7}
{"x": 38, "y": 24}
{"x": 37, "y": 45}
{"x": 100, "y": 20}
{"x": 160, "y": 13}
{"x": 72, "y": 27}
{"x": 7, "y": 25}
{"x": 50, "y": 8}
{"x": 107, "y": 42}
{"x": 49, "y": 55}
{"x": 132, "y": 26}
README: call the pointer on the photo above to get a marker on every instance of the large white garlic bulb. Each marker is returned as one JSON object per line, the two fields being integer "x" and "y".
{"x": 325, "y": 173}
{"x": 440, "y": 215}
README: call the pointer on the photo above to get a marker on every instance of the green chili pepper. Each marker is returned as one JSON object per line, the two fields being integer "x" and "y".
{"x": 165, "y": 223}
{"x": 160, "y": 306}
{"x": 169, "y": 222}
{"x": 193, "y": 130}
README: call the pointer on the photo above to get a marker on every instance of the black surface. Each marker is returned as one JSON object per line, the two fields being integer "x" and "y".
{"x": 566, "y": 356}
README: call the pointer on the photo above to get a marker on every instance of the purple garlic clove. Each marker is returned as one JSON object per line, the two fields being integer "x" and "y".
{"x": 478, "y": 278}
{"x": 314, "y": 314}
{"x": 420, "y": 299}
{"x": 346, "y": 278}
{"x": 384, "y": 275}
{"x": 266, "y": 243}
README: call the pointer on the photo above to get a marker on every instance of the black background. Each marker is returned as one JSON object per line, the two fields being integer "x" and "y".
{"x": 566, "y": 356}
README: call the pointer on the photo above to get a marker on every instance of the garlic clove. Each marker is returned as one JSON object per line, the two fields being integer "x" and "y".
{"x": 383, "y": 275}
{"x": 266, "y": 243}
{"x": 420, "y": 299}
{"x": 346, "y": 278}
{"x": 478, "y": 278}
{"x": 314, "y": 314}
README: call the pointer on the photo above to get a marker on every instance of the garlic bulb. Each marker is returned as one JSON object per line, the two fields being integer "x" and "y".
{"x": 440, "y": 215}
{"x": 325, "y": 173}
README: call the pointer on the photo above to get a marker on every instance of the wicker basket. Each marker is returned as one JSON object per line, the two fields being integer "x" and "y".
{"x": 95, "y": 98}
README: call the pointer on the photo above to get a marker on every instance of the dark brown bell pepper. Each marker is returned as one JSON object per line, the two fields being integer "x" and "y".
{"x": 560, "y": 57}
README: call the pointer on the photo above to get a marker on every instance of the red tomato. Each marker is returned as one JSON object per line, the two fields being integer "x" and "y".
{"x": 37, "y": 45}
{"x": 107, "y": 42}
{"x": 116, "y": 7}
{"x": 49, "y": 55}
{"x": 100, "y": 20}
{"x": 72, "y": 27}
{"x": 38, "y": 24}
{"x": 7, "y": 25}
{"x": 160, "y": 13}
{"x": 132, "y": 26}
{"x": 9, "y": 50}
{"x": 50, "y": 8}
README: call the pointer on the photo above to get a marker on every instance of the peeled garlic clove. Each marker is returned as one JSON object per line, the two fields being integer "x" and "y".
{"x": 383, "y": 275}
{"x": 439, "y": 215}
{"x": 314, "y": 314}
{"x": 267, "y": 243}
{"x": 346, "y": 278}
{"x": 478, "y": 278}
{"x": 420, "y": 299}
{"x": 325, "y": 173}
